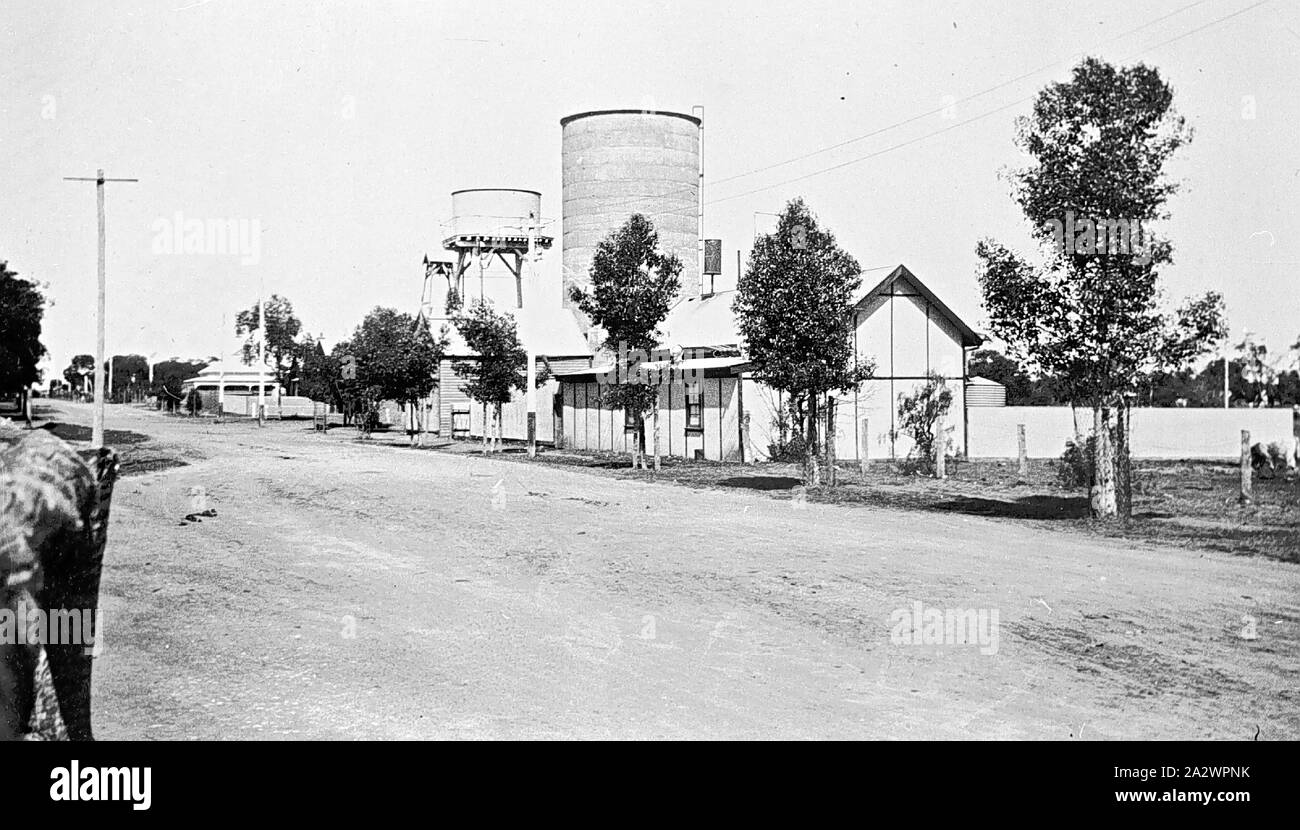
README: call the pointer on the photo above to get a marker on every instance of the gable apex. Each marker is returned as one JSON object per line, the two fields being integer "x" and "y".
{"x": 888, "y": 286}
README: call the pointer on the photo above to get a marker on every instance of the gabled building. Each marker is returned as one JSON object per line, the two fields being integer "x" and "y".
{"x": 909, "y": 332}
{"x": 700, "y": 406}
{"x": 899, "y": 323}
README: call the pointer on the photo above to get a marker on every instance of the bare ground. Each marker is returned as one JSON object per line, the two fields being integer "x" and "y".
{"x": 1192, "y": 504}
{"x": 356, "y": 590}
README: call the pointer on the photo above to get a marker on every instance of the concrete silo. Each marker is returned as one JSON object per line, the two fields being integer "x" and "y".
{"x": 620, "y": 162}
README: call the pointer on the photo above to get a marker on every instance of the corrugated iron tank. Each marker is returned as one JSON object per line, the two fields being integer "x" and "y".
{"x": 494, "y": 212}
{"x": 985, "y": 392}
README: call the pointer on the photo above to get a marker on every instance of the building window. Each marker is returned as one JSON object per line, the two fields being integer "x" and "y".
{"x": 694, "y": 407}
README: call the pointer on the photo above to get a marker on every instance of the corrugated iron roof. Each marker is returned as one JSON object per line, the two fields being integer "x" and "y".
{"x": 695, "y": 364}
{"x": 702, "y": 322}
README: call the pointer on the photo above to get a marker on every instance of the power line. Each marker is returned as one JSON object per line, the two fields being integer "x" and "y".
{"x": 642, "y": 198}
{"x": 971, "y": 97}
{"x": 881, "y": 152}
{"x": 1017, "y": 102}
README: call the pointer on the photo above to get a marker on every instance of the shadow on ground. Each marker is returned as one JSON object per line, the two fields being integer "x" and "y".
{"x": 761, "y": 482}
{"x": 1029, "y": 507}
{"x": 76, "y": 432}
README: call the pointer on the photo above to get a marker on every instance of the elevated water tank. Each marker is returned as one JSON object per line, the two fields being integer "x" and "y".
{"x": 620, "y": 162}
{"x": 494, "y": 212}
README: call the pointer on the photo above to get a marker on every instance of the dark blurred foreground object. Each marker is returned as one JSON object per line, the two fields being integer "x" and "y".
{"x": 54, "y": 503}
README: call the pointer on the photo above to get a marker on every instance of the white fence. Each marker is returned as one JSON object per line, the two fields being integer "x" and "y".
{"x": 1157, "y": 432}
{"x": 285, "y": 406}
{"x": 514, "y": 416}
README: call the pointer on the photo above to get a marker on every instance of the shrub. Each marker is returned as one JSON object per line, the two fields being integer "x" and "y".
{"x": 919, "y": 413}
{"x": 791, "y": 451}
{"x": 1077, "y": 463}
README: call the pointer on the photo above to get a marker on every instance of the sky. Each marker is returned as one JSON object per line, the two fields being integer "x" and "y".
{"x": 333, "y": 133}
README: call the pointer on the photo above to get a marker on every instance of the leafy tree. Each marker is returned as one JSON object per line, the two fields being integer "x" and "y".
{"x": 1174, "y": 389}
{"x": 1090, "y": 316}
{"x": 282, "y": 329}
{"x": 1206, "y": 387}
{"x": 633, "y": 285}
{"x": 1022, "y": 388}
{"x": 501, "y": 365}
{"x": 1288, "y": 388}
{"x": 167, "y": 378}
{"x": 318, "y": 372}
{"x": 1192, "y": 330}
{"x": 125, "y": 367}
{"x": 396, "y": 357}
{"x": 76, "y": 378}
{"x": 793, "y": 306}
{"x": 21, "y": 308}
{"x": 919, "y": 416}
{"x": 350, "y": 396}
{"x": 1257, "y": 368}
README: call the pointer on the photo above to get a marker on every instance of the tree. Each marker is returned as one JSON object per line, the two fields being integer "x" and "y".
{"x": 1022, "y": 388}
{"x": 1257, "y": 368}
{"x": 920, "y": 415}
{"x": 80, "y": 373}
{"x": 282, "y": 329}
{"x": 633, "y": 285}
{"x": 396, "y": 357}
{"x": 1090, "y": 316}
{"x": 501, "y": 363}
{"x": 168, "y": 375}
{"x": 351, "y": 398}
{"x": 318, "y": 372}
{"x": 130, "y": 374}
{"x": 21, "y": 308}
{"x": 793, "y": 306}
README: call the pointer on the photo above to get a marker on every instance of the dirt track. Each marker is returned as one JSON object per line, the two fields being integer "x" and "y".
{"x": 506, "y": 600}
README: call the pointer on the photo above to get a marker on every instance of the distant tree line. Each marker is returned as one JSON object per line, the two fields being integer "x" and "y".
{"x": 1251, "y": 381}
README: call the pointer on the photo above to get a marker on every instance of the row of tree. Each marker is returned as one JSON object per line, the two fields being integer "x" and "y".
{"x": 132, "y": 377}
{"x": 1253, "y": 380}
{"x": 392, "y": 356}
{"x": 1089, "y": 317}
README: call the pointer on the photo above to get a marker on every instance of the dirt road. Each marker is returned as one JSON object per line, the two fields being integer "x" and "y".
{"x": 357, "y": 591}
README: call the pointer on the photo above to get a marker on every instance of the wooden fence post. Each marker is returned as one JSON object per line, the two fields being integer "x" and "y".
{"x": 864, "y": 447}
{"x": 1246, "y": 491}
{"x": 656, "y": 432}
{"x": 830, "y": 441}
{"x": 746, "y": 447}
{"x": 1022, "y": 455}
{"x": 940, "y": 449}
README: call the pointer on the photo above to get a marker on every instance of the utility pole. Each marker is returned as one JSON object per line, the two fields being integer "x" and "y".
{"x": 221, "y": 375}
{"x": 97, "y": 430}
{"x": 698, "y": 111}
{"x": 261, "y": 356}
{"x": 530, "y": 393}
